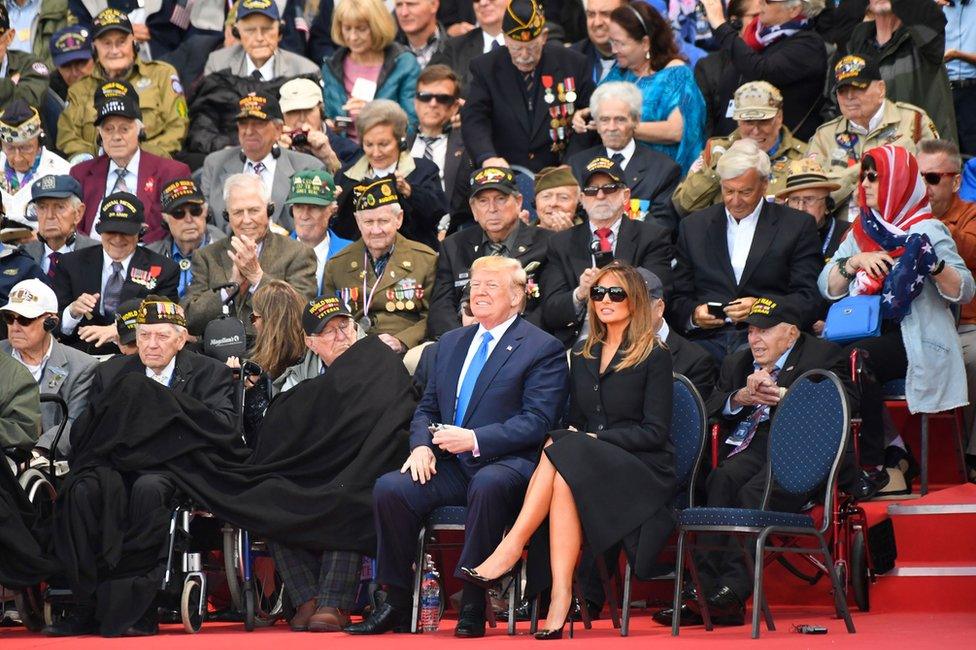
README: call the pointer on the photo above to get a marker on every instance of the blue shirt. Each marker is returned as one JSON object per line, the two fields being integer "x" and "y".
{"x": 22, "y": 21}
{"x": 728, "y": 410}
{"x": 960, "y": 34}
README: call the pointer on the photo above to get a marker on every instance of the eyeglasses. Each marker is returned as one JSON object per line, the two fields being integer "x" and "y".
{"x": 11, "y": 318}
{"x": 255, "y": 318}
{"x": 934, "y": 178}
{"x": 194, "y": 210}
{"x": 344, "y": 325}
{"x": 869, "y": 176}
{"x": 804, "y": 201}
{"x": 608, "y": 189}
{"x": 441, "y": 98}
{"x": 617, "y": 294}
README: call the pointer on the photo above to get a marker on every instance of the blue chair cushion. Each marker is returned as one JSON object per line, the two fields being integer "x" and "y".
{"x": 743, "y": 517}
{"x": 448, "y": 516}
{"x": 894, "y": 389}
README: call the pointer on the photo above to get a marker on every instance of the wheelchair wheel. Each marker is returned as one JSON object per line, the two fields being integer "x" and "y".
{"x": 249, "y": 608}
{"x": 192, "y": 605}
{"x": 40, "y": 493}
{"x": 30, "y": 607}
{"x": 860, "y": 579}
{"x": 232, "y": 566}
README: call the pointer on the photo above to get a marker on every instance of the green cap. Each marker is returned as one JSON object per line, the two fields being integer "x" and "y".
{"x": 312, "y": 187}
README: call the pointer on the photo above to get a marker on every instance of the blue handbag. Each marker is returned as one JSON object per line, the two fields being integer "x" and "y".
{"x": 853, "y": 318}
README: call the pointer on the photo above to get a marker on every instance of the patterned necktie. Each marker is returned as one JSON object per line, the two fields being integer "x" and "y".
{"x": 471, "y": 378}
{"x": 497, "y": 248}
{"x": 604, "y": 236}
{"x": 120, "y": 184}
{"x": 113, "y": 289}
{"x": 746, "y": 430}
{"x": 258, "y": 168}
{"x": 256, "y": 75}
{"x": 429, "y": 142}
{"x": 529, "y": 80}
{"x": 618, "y": 158}
{"x": 54, "y": 258}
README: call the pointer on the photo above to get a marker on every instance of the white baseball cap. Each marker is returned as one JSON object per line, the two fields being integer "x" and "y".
{"x": 31, "y": 298}
{"x": 299, "y": 95}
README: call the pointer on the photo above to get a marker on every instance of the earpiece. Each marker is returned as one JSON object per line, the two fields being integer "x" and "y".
{"x": 50, "y": 324}
{"x": 275, "y": 151}
{"x": 98, "y": 140}
{"x": 142, "y": 135}
{"x": 271, "y": 209}
{"x": 830, "y": 204}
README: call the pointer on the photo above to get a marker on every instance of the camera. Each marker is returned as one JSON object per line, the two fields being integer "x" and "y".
{"x": 299, "y": 139}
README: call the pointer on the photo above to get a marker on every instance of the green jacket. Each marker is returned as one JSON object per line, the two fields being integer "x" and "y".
{"x": 32, "y": 78}
{"x": 20, "y": 406}
{"x": 52, "y": 17}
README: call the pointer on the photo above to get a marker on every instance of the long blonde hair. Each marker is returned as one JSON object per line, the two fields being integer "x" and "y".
{"x": 639, "y": 335}
{"x": 281, "y": 342}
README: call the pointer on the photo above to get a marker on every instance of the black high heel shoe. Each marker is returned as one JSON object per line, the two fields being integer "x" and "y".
{"x": 476, "y": 577}
{"x": 554, "y": 635}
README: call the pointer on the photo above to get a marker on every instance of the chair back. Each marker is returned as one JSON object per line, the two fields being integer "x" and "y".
{"x": 525, "y": 180}
{"x": 808, "y": 435}
{"x": 688, "y": 429}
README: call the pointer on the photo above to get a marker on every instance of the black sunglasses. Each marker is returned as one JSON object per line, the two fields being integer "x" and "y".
{"x": 608, "y": 189}
{"x": 194, "y": 210}
{"x": 617, "y": 294}
{"x": 440, "y": 98}
{"x": 870, "y": 176}
{"x": 23, "y": 321}
{"x": 934, "y": 178}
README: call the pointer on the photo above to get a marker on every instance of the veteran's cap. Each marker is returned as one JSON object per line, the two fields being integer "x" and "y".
{"x": 299, "y": 95}
{"x": 19, "y": 122}
{"x": 264, "y": 7}
{"x": 767, "y": 313}
{"x": 523, "y": 20}
{"x": 320, "y": 311}
{"x": 550, "y": 177}
{"x": 52, "y": 186}
{"x": 109, "y": 19}
{"x": 71, "y": 43}
{"x": 121, "y": 212}
{"x": 31, "y": 298}
{"x": 179, "y": 192}
{"x": 806, "y": 174}
{"x": 375, "y": 194}
{"x": 756, "y": 100}
{"x": 493, "y": 178}
{"x": 856, "y": 70}
{"x": 157, "y": 310}
{"x": 125, "y": 320}
{"x": 602, "y": 165}
{"x": 312, "y": 187}
{"x": 116, "y": 97}
{"x": 259, "y": 107}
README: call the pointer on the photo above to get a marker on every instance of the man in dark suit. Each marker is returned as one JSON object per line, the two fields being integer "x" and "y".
{"x": 124, "y": 167}
{"x": 751, "y": 384}
{"x": 596, "y": 46}
{"x": 575, "y": 255}
{"x": 728, "y": 255}
{"x": 496, "y": 203}
{"x": 530, "y": 126}
{"x": 651, "y": 176}
{"x": 498, "y": 387}
{"x": 459, "y": 51}
{"x": 59, "y": 210}
{"x": 91, "y": 283}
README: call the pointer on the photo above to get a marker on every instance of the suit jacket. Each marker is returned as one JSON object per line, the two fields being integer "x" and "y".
{"x": 495, "y": 118}
{"x": 281, "y": 258}
{"x": 218, "y": 165}
{"x": 462, "y": 248}
{"x": 783, "y": 263}
{"x": 154, "y": 172}
{"x": 81, "y": 272}
{"x": 650, "y": 175}
{"x": 638, "y": 244}
{"x": 457, "y": 171}
{"x": 286, "y": 64}
{"x": 518, "y": 398}
{"x": 458, "y": 52}
{"x": 67, "y": 374}
{"x": 692, "y": 361}
{"x": 36, "y": 248}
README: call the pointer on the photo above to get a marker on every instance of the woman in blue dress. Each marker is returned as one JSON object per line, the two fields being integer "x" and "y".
{"x": 673, "y": 118}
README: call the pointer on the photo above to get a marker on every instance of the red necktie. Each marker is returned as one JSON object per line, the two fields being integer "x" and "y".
{"x": 54, "y": 258}
{"x": 604, "y": 236}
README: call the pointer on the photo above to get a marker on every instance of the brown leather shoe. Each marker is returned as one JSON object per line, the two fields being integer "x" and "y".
{"x": 327, "y": 619}
{"x": 299, "y": 622}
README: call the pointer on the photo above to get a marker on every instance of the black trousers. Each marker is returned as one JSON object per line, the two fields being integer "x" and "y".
{"x": 493, "y": 495}
{"x": 886, "y": 359}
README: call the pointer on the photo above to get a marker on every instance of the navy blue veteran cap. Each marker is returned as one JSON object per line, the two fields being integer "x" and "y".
{"x": 320, "y": 311}
{"x": 116, "y": 98}
{"x": 121, "y": 212}
{"x": 109, "y": 19}
{"x": 72, "y": 43}
{"x": 125, "y": 320}
{"x": 55, "y": 187}
{"x": 602, "y": 165}
{"x": 493, "y": 178}
{"x": 264, "y": 7}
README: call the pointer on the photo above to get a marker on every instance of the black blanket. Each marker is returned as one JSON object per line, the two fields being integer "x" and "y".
{"x": 22, "y": 561}
{"x": 307, "y": 483}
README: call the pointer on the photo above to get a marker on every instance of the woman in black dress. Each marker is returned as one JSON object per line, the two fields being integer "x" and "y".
{"x": 611, "y": 473}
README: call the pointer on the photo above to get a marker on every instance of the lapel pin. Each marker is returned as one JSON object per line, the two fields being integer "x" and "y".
{"x": 509, "y": 348}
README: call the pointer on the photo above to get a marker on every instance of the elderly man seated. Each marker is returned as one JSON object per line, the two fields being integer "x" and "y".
{"x": 59, "y": 210}
{"x": 250, "y": 254}
{"x": 557, "y": 198}
{"x": 31, "y": 315}
{"x": 312, "y": 204}
{"x": 24, "y": 158}
{"x": 114, "y": 590}
{"x": 305, "y": 128}
{"x": 389, "y": 300}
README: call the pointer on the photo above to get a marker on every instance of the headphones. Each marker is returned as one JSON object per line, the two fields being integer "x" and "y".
{"x": 50, "y": 324}
{"x": 275, "y": 153}
{"x": 830, "y": 204}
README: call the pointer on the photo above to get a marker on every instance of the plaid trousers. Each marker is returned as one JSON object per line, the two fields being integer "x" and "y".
{"x": 330, "y": 577}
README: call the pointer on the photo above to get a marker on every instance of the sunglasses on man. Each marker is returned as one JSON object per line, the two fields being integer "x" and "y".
{"x": 934, "y": 178}
{"x": 617, "y": 294}
{"x": 608, "y": 189}
{"x": 441, "y": 98}
{"x": 194, "y": 209}
{"x": 11, "y": 318}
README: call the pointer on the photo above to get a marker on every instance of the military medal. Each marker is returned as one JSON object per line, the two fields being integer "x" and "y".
{"x": 547, "y": 84}
{"x": 560, "y": 92}
{"x": 365, "y": 323}
{"x": 390, "y": 305}
{"x": 408, "y": 293}
{"x": 570, "y": 90}
{"x": 185, "y": 264}
{"x": 554, "y": 113}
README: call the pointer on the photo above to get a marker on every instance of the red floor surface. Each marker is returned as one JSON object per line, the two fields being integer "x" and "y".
{"x": 915, "y": 630}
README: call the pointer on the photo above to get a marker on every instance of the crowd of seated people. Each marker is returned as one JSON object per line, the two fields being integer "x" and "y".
{"x": 516, "y": 220}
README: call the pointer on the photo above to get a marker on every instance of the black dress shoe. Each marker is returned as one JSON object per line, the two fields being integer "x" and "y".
{"x": 726, "y": 607}
{"x": 471, "y": 622}
{"x": 77, "y": 623}
{"x": 871, "y": 483}
{"x": 384, "y": 618}
{"x": 686, "y": 616}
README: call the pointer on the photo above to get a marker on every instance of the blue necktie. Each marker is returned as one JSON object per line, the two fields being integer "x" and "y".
{"x": 471, "y": 378}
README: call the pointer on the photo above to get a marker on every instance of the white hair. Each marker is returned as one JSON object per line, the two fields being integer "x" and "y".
{"x": 742, "y": 156}
{"x": 179, "y": 329}
{"x": 622, "y": 90}
{"x": 245, "y": 181}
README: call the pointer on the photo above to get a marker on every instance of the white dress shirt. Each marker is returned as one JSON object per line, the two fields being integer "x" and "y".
{"x": 131, "y": 183}
{"x": 38, "y": 370}
{"x": 321, "y": 257}
{"x": 386, "y": 171}
{"x": 267, "y": 176}
{"x": 873, "y": 123}
{"x": 46, "y": 261}
{"x": 614, "y": 231}
{"x": 69, "y": 322}
{"x": 489, "y": 39}
{"x": 166, "y": 375}
{"x": 438, "y": 151}
{"x": 267, "y": 70}
{"x": 739, "y": 236}
{"x": 627, "y": 152}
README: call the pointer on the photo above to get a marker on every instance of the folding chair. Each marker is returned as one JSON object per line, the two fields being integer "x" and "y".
{"x": 688, "y": 429}
{"x": 807, "y": 438}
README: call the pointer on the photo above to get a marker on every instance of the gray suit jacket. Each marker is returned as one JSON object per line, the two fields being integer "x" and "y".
{"x": 68, "y": 374}
{"x": 281, "y": 258}
{"x": 165, "y": 245}
{"x": 36, "y": 249}
{"x": 221, "y": 164}
{"x": 286, "y": 64}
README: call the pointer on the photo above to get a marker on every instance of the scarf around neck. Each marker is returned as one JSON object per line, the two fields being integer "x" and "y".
{"x": 759, "y": 36}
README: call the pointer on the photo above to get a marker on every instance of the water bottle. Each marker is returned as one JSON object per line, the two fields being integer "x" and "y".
{"x": 430, "y": 597}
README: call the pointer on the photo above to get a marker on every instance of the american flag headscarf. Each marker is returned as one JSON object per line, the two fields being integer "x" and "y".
{"x": 902, "y": 203}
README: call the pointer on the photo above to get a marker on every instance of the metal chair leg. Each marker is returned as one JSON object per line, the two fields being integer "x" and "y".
{"x": 758, "y": 600}
{"x": 625, "y": 608}
{"x": 699, "y": 592}
{"x": 840, "y": 598}
{"x": 757, "y": 588}
{"x": 925, "y": 454}
{"x": 534, "y": 621}
{"x": 610, "y": 587}
{"x": 581, "y": 601}
{"x": 514, "y": 593}
{"x": 418, "y": 577}
{"x": 679, "y": 571}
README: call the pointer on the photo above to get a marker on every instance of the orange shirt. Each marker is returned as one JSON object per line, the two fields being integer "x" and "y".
{"x": 960, "y": 218}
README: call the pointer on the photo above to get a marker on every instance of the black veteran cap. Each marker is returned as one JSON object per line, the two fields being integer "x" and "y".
{"x": 180, "y": 191}
{"x": 523, "y": 20}
{"x": 19, "y": 122}
{"x": 116, "y": 98}
{"x": 493, "y": 178}
{"x": 55, "y": 187}
{"x": 121, "y": 212}
{"x": 109, "y": 19}
{"x": 602, "y": 165}
{"x": 320, "y": 311}
{"x": 69, "y": 44}
{"x": 258, "y": 107}
{"x": 125, "y": 320}
{"x": 767, "y": 313}
{"x": 856, "y": 70}
{"x": 159, "y": 310}
{"x": 376, "y": 194}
